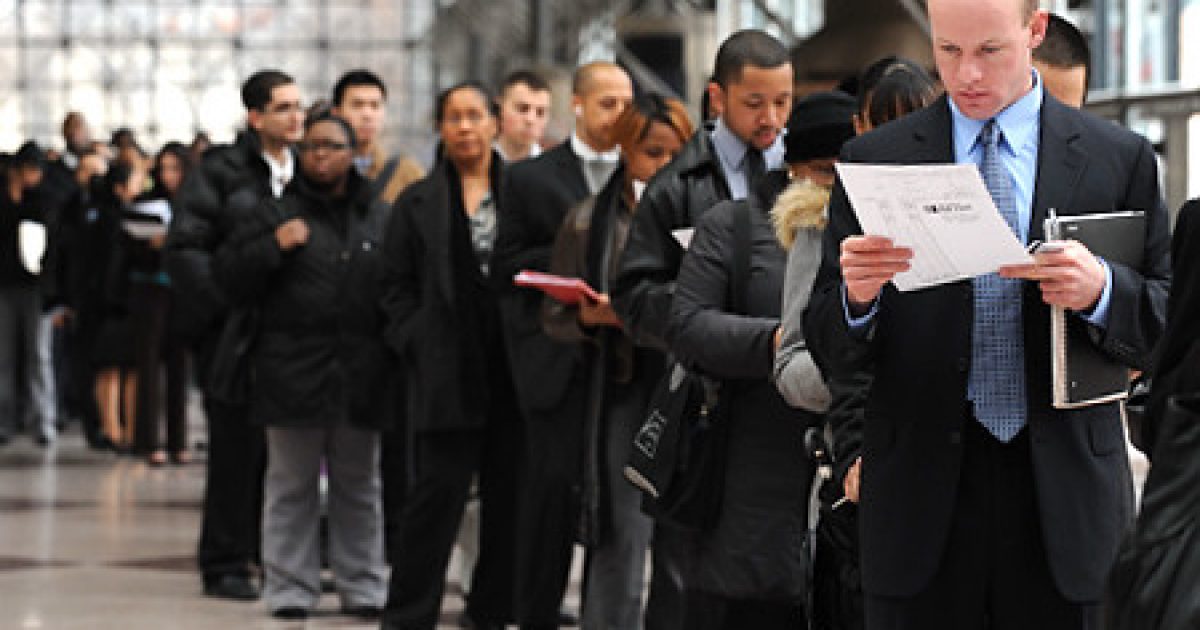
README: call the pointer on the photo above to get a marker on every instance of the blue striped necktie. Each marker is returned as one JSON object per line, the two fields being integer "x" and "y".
{"x": 997, "y": 381}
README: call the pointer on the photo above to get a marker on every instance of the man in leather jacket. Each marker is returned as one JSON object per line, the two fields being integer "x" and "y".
{"x": 753, "y": 89}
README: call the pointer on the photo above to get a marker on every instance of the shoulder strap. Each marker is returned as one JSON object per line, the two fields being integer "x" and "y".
{"x": 740, "y": 274}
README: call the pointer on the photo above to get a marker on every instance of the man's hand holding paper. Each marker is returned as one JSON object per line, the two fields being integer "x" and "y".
{"x": 868, "y": 263}
{"x": 942, "y": 213}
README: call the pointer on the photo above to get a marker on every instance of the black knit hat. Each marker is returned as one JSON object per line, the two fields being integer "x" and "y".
{"x": 818, "y": 126}
{"x": 29, "y": 155}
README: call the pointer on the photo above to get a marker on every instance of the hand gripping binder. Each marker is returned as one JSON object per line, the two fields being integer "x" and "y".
{"x": 1081, "y": 373}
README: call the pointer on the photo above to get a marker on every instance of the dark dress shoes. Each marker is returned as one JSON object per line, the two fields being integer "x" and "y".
{"x": 236, "y": 587}
{"x": 290, "y": 612}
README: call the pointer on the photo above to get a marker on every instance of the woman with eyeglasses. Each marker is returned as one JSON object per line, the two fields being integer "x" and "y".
{"x": 321, "y": 381}
{"x": 444, "y": 322}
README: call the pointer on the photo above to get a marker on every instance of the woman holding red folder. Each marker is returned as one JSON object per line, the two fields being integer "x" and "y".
{"x": 650, "y": 132}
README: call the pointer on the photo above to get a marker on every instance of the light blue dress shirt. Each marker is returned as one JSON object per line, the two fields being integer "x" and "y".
{"x": 731, "y": 152}
{"x": 1020, "y": 129}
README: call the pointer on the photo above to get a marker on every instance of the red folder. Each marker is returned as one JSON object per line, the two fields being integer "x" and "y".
{"x": 565, "y": 290}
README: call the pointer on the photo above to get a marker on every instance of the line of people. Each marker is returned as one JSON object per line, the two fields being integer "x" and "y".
{"x": 355, "y": 318}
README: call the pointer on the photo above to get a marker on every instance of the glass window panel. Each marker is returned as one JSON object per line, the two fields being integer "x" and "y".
{"x": 300, "y": 22}
{"x": 86, "y": 20}
{"x": 350, "y": 23}
{"x": 40, "y": 19}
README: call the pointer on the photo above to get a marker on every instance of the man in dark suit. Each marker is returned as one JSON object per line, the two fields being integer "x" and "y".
{"x": 982, "y": 505}
{"x": 534, "y": 200}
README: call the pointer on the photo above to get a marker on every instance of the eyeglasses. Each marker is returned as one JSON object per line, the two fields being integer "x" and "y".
{"x": 322, "y": 145}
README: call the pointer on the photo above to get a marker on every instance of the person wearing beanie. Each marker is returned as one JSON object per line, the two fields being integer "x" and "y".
{"x": 818, "y": 126}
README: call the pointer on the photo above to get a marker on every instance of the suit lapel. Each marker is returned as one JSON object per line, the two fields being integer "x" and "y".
{"x": 571, "y": 168}
{"x": 933, "y": 137}
{"x": 1061, "y": 163}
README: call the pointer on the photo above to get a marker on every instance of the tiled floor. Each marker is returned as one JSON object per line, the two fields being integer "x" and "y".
{"x": 91, "y": 541}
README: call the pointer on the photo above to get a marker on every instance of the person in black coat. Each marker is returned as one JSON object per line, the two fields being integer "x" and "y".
{"x": 443, "y": 320}
{"x": 620, "y": 377}
{"x": 227, "y": 185}
{"x": 321, "y": 383}
{"x": 750, "y": 569}
{"x": 1035, "y": 550}
{"x": 24, "y": 332}
{"x": 752, "y": 85}
{"x": 1152, "y": 584}
{"x": 157, "y": 348}
{"x": 535, "y": 198}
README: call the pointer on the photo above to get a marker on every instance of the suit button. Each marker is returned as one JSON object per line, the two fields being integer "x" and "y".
{"x": 963, "y": 365}
{"x": 956, "y": 437}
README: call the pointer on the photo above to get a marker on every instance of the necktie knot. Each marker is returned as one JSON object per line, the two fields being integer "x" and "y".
{"x": 989, "y": 136}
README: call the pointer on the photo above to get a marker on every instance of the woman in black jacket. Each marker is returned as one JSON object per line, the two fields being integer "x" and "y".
{"x": 320, "y": 380}
{"x": 651, "y": 132}
{"x": 443, "y": 320}
{"x": 155, "y": 345}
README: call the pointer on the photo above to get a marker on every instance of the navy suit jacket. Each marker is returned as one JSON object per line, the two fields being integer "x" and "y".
{"x": 920, "y": 350}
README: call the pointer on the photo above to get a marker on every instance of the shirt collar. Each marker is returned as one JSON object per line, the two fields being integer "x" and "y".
{"x": 732, "y": 149}
{"x": 588, "y": 154}
{"x": 281, "y": 172}
{"x": 1019, "y": 122}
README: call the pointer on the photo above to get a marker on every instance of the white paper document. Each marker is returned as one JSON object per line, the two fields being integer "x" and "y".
{"x": 943, "y": 212}
{"x": 144, "y": 230}
{"x": 31, "y": 245}
{"x": 157, "y": 208}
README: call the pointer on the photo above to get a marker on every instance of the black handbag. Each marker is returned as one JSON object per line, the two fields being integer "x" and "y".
{"x": 680, "y": 451}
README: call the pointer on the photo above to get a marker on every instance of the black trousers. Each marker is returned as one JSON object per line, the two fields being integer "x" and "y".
{"x": 548, "y": 518}
{"x": 73, "y": 355}
{"x": 154, "y": 347}
{"x": 994, "y": 574}
{"x": 706, "y": 611}
{"x": 445, "y": 462}
{"x": 231, "y": 524}
{"x": 393, "y": 472}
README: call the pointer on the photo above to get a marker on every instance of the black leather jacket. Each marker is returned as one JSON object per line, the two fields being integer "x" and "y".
{"x": 675, "y": 198}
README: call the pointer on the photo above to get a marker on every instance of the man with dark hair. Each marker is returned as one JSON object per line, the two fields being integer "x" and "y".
{"x": 982, "y": 504}
{"x": 1064, "y": 61}
{"x": 360, "y": 97}
{"x": 752, "y": 92}
{"x": 524, "y": 110}
{"x": 534, "y": 199}
{"x": 24, "y": 333}
{"x": 227, "y": 185}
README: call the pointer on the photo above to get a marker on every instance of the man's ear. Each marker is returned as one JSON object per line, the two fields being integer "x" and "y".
{"x": 716, "y": 94}
{"x": 1037, "y": 27}
{"x": 254, "y": 118}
